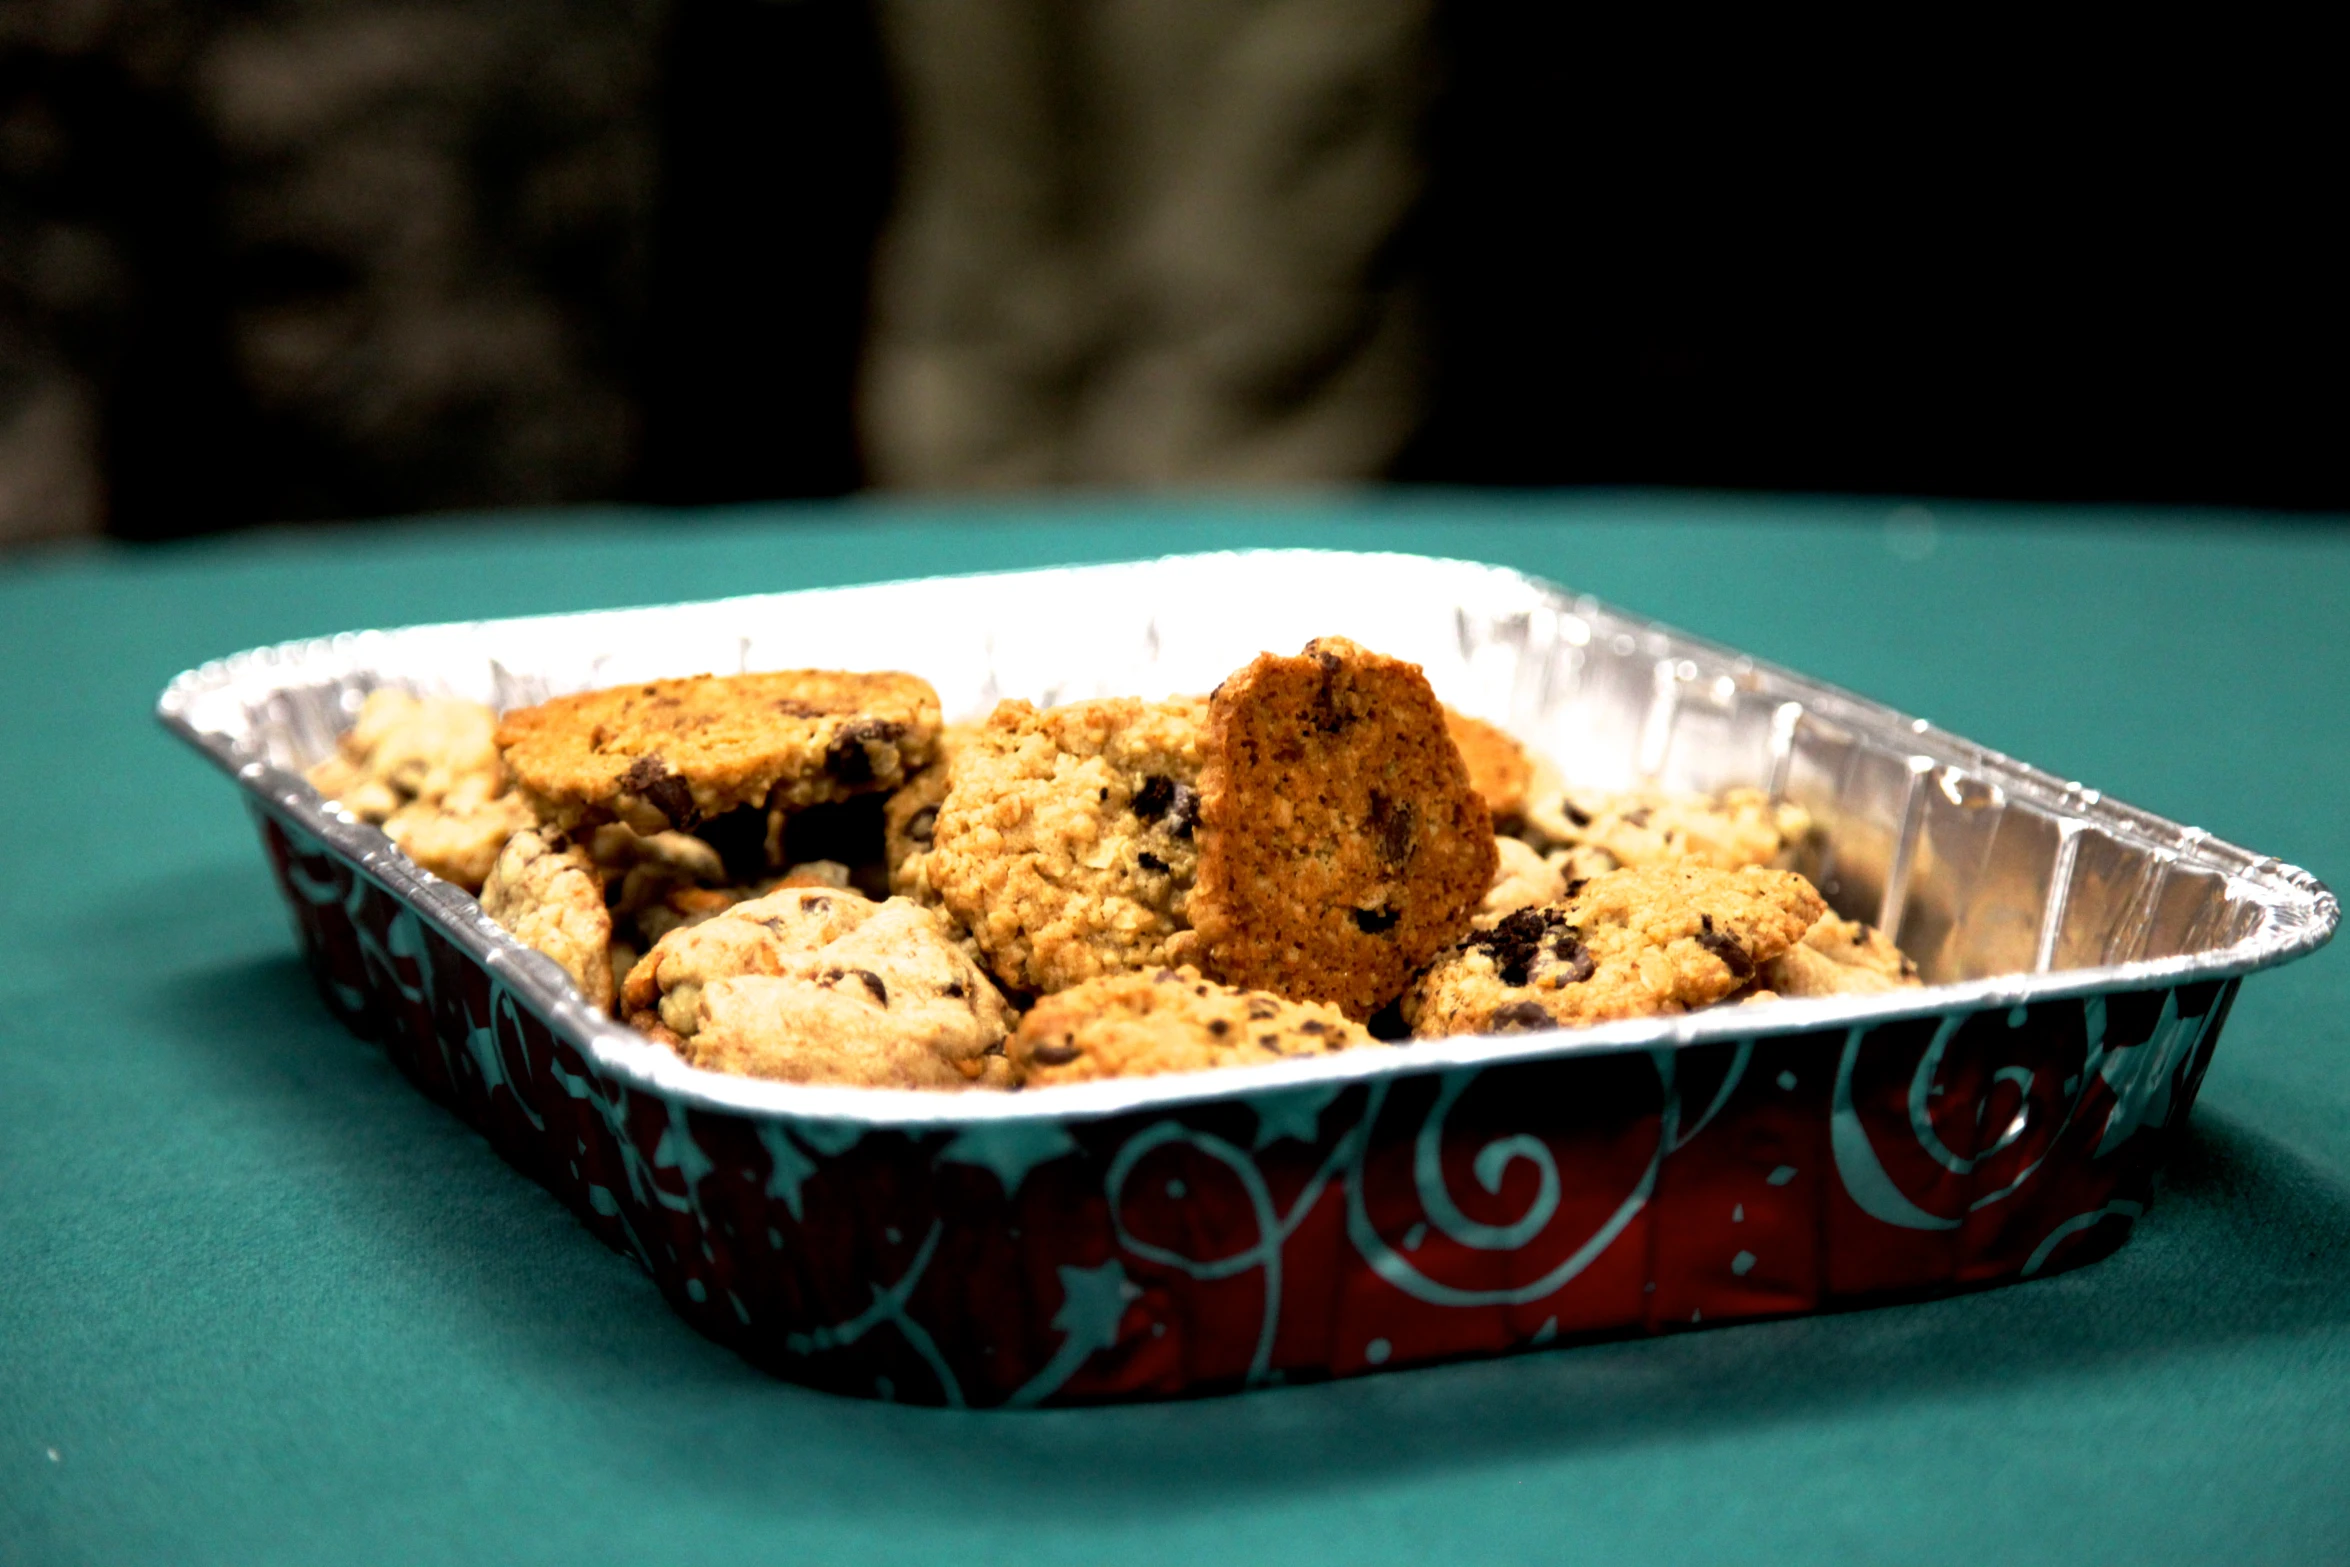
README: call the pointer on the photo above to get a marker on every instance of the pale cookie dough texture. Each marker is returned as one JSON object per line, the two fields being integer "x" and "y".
{"x": 816, "y": 985}
{"x": 1653, "y": 826}
{"x": 549, "y": 892}
{"x": 1173, "y": 1020}
{"x": 1341, "y": 844}
{"x": 1524, "y": 880}
{"x": 674, "y": 753}
{"x": 426, "y": 770}
{"x": 1838, "y": 957}
{"x": 1065, "y": 841}
{"x": 1629, "y": 943}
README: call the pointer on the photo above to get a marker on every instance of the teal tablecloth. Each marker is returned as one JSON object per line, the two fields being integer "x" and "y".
{"x": 261, "y": 1302}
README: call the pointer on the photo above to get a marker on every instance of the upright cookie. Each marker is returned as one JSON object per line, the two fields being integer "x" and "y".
{"x": 1065, "y": 841}
{"x": 549, "y": 893}
{"x": 1136, "y": 1025}
{"x": 1341, "y": 844}
{"x": 674, "y": 753}
{"x": 1839, "y": 957}
{"x": 814, "y": 985}
{"x": 910, "y": 819}
{"x": 1629, "y": 943}
{"x": 1499, "y": 769}
{"x": 1653, "y": 826}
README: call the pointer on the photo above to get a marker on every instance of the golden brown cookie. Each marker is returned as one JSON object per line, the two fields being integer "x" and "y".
{"x": 674, "y": 753}
{"x": 426, "y": 770}
{"x": 548, "y": 892}
{"x": 1839, "y": 957}
{"x": 815, "y": 985}
{"x": 1341, "y": 846}
{"x": 1065, "y": 841}
{"x": 1629, "y": 943}
{"x": 1173, "y": 1020}
{"x": 1652, "y": 826}
{"x": 1499, "y": 769}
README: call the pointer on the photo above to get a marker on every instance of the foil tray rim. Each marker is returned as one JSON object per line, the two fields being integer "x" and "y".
{"x": 2304, "y": 913}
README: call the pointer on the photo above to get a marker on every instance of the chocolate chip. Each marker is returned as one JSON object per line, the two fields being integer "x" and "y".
{"x": 1522, "y": 1016}
{"x": 1183, "y": 815}
{"x": 1637, "y": 817}
{"x": 1514, "y": 941}
{"x": 1732, "y": 955}
{"x": 667, "y": 793}
{"x": 1149, "y": 861}
{"x": 1575, "y": 813}
{"x": 1261, "y": 1007}
{"x": 1860, "y": 937}
{"x": 1219, "y": 1027}
{"x": 1376, "y": 922}
{"x": 1054, "y": 1055}
{"x": 1577, "y": 885}
{"x": 1313, "y": 1026}
{"x": 874, "y": 984}
{"x": 817, "y": 905}
{"x": 954, "y": 989}
{"x": 1567, "y": 950}
{"x": 847, "y": 759}
{"x": 922, "y": 826}
{"x": 1269, "y": 1041}
{"x": 1153, "y": 798}
{"x": 1392, "y": 823}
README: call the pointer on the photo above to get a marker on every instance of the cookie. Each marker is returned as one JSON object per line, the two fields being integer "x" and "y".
{"x": 1629, "y": 943}
{"x": 549, "y": 893}
{"x": 1838, "y": 957}
{"x": 426, "y": 770}
{"x": 1173, "y": 1020}
{"x": 1341, "y": 846}
{"x": 1065, "y": 842}
{"x": 816, "y": 985}
{"x": 675, "y": 753}
{"x": 1523, "y": 880}
{"x": 1499, "y": 769}
{"x": 910, "y": 819}
{"x": 1652, "y": 826}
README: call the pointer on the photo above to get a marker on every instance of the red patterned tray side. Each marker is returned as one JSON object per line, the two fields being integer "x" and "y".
{"x": 1310, "y": 1232}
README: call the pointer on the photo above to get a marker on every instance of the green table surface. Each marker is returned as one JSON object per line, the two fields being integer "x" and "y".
{"x": 260, "y": 1301}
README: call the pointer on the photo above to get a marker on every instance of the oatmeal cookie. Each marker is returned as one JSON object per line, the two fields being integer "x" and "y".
{"x": 1341, "y": 845}
{"x": 548, "y": 892}
{"x": 426, "y": 770}
{"x": 1134, "y": 1025}
{"x": 1652, "y": 826}
{"x": 1499, "y": 769}
{"x": 1065, "y": 841}
{"x": 674, "y": 753}
{"x": 1629, "y": 943}
{"x": 1838, "y": 957}
{"x": 816, "y": 985}
{"x": 1523, "y": 880}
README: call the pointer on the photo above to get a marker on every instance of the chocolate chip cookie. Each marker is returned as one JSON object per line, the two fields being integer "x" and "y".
{"x": 1341, "y": 846}
{"x": 816, "y": 985}
{"x": 1628, "y": 943}
{"x": 1652, "y": 826}
{"x": 1173, "y": 1020}
{"x": 426, "y": 770}
{"x": 675, "y": 753}
{"x": 549, "y": 893}
{"x": 1838, "y": 957}
{"x": 1065, "y": 841}
{"x": 1499, "y": 769}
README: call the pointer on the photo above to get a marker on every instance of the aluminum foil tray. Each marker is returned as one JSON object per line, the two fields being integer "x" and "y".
{"x": 1384, "y": 1208}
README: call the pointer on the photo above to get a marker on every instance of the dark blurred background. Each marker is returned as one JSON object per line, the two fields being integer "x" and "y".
{"x": 306, "y": 261}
